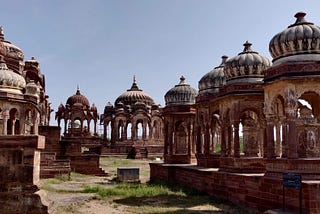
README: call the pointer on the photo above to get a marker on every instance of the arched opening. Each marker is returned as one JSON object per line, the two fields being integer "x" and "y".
{"x": 129, "y": 130}
{"x": 307, "y": 125}
{"x": 29, "y": 126}
{"x": 108, "y": 131}
{"x": 215, "y": 134}
{"x": 147, "y": 131}
{"x": 251, "y": 135}
{"x": 13, "y": 124}
{"x": 155, "y": 131}
{"x": 139, "y": 129}
{"x": 86, "y": 127}
{"x": 181, "y": 145}
{"x": 121, "y": 131}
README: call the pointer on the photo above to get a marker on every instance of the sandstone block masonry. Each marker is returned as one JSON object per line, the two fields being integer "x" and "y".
{"x": 20, "y": 168}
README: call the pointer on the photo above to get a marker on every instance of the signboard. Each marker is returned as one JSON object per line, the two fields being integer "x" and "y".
{"x": 292, "y": 180}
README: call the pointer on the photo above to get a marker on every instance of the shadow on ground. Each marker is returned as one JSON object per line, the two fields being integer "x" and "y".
{"x": 183, "y": 204}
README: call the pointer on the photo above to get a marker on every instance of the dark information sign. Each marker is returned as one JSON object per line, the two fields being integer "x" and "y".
{"x": 292, "y": 180}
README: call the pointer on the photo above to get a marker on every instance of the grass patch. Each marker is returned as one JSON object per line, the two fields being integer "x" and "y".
{"x": 115, "y": 162}
{"x": 130, "y": 190}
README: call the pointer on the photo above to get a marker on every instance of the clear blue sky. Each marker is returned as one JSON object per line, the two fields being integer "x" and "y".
{"x": 100, "y": 44}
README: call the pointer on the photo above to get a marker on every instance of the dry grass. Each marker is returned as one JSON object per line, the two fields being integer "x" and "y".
{"x": 97, "y": 195}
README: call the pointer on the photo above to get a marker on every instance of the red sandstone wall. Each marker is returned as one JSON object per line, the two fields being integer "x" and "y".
{"x": 253, "y": 190}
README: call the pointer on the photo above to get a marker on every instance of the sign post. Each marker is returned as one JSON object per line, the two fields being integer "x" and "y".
{"x": 292, "y": 180}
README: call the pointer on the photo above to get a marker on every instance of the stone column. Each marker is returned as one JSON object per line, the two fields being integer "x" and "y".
{"x": 13, "y": 126}
{"x": 166, "y": 140}
{"x": 270, "y": 137}
{"x": 198, "y": 142}
{"x": 236, "y": 140}
{"x": 95, "y": 127}
{"x": 88, "y": 122}
{"x": 292, "y": 144}
{"x": 223, "y": 141}
{"x": 144, "y": 130}
{"x": 284, "y": 140}
{"x": 229, "y": 150}
{"x": 65, "y": 126}
{"x": 278, "y": 140}
{"x": 207, "y": 140}
{"x": 5, "y": 123}
{"x": 170, "y": 140}
{"x": 105, "y": 132}
{"x": 36, "y": 123}
{"x": 189, "y": 140}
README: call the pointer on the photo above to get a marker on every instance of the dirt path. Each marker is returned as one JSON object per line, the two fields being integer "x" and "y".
{"x": 61, "y": 196}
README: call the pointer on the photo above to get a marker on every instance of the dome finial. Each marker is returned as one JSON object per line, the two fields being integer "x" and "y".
{"x": 247, "y": 46}
{"x": 224, "y": 59}
{"x": 134, "y": 86}
{"x": 182, "y": 80}
{"x": 300, "y": 17}
{"x": 78, "y": 90}
{"x": 1, "y": 34}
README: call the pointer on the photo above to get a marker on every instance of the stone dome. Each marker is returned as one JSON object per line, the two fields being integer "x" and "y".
{"x": 181, "y": 94}
{"x": 78, "y": 98}
{"x": 215, "y": 79}
{"x": 247, "y": 66}
{"x": 299, "y": 42}
{"x": 133, "y": 95}
{"x": 12, "y": 54}
{"x": 9, "y": 80}
{"x": 32, "y": 89}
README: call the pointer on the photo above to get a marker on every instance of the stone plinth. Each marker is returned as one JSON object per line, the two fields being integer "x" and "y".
{"x": 20, "y": 168}
{"x": 255, "y": 190}
{"x": 308, "y": 168}
{"x": 126, "y": 174}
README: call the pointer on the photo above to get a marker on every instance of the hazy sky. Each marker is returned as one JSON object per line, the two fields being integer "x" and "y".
{"x": 100, "y": 44}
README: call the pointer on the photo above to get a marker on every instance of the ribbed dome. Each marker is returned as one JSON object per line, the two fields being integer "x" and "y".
{"x": 78, "y": 98}
{"x": 10, "y": 81}
{"x": 299, "y": 42}
{"x": 12, "y": 54}
{"x": 181, "y": 94}
{"x": 247, "y": 66}
{"x": 133, "y": 95}
{"x": 215, "y": 79}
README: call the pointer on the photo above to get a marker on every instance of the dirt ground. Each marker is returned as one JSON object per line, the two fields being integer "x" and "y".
{"x": 55, "y": 195}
